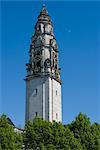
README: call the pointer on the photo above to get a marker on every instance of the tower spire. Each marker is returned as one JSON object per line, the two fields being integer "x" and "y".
{"x": 43, "y": 50}
{"x": 43, "y": 16}
{"x": 44, "y": 11}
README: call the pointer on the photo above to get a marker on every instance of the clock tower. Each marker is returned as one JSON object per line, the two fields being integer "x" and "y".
{"x": 43, "y": 84}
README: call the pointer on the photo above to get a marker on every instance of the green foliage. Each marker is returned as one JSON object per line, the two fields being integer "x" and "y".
{"x": 95, "y": 131}
{"x": 87, "y": 134}
{"x": 79, "y": 135}
{"x": 38, "y": 133}
{"x": 9, "y": 140}
{"x": 43, "y": 135}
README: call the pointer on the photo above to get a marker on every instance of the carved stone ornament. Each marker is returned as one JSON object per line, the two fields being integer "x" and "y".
{"x": 43, "y": 40}
{"x": 53, "y": 43}
{"x": 47, "y": 63}
{"x": 37, "y": 58}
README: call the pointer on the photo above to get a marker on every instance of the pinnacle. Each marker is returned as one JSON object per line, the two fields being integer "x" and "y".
{"x": 43, "y": 16}
{"x": 44, "y": 11}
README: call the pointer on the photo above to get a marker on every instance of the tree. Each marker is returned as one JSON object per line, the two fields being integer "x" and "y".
{"x": 78, "y": 135}
{"x": 8, "y": 138}
{"x": 38, "y": 133}
{"x": 64, "y": 138}
{"x": 45, "y": 135}
{"x": 84, "y": 132}
{"x": 95, "y": 130}
{"x": 72, "y": 142}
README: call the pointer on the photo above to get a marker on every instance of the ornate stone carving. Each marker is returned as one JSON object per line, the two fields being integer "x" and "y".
{"x": 47, "y": 63}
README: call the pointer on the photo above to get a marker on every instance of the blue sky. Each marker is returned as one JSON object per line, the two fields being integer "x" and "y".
{"x": 77, "y": 30}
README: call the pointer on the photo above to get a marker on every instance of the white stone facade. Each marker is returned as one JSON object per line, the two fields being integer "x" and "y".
{"x": 43, "y": 98}
{"x": 43, "y": 84}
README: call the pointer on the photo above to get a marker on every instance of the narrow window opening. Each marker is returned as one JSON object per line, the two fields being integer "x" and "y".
{"x": 39, "y": 27}
{"x": 53, "y": 62}
{"x": 56, "y": 116}
{"x": 36, "y": 91}
{"x": 56, "y": 92}
{"x": 53, "y": 59}
{"x": 38, "y": 63}
{"x": 36, "y": 114}
{"x": 44, "y": 28}
{"x": 34, "y": 65}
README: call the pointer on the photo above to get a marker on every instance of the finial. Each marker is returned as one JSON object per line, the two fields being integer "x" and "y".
{"x": 44, "y": 9}
{"x": 43, "y": 5}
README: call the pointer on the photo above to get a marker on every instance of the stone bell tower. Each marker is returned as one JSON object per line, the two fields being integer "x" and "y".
{"x": 43, "y": 84}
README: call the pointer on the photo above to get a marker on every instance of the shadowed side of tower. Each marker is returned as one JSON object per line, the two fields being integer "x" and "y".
{"x": 43, "y": 84}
